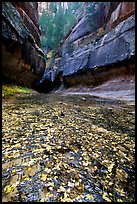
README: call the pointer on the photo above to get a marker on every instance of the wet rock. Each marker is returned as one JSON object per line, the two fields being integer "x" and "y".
{"x": 22, "y": 58}
{"x": 63, "y": 150}
{"x": 77, "y": 169}
{"x": 62, "y": 114}
{"x": 102, "y": 171}
{"x": 6, "y": 175}
{"x": 83, "y": 26}
{"x": 100, "y": 54}
{"x": 94, "y": 57}
{"x": 46, "y": 152}
{"x": 37, "y": 113}
{"x": 117, "y": 54}
{"x": 42, "y": 163}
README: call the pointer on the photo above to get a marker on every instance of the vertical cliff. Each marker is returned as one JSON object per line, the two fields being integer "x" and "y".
{"x": 22, "y": 57}
{"x": 99, "y": 47}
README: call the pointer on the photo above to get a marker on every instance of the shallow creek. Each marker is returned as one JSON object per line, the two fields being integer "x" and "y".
{"x": 73, "y": 148}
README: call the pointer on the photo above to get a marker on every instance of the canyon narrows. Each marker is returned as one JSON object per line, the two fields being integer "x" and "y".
{"x": 68, "y": 101}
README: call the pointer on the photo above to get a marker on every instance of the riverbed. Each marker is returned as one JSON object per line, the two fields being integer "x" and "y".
{"x": 67, "y": 148}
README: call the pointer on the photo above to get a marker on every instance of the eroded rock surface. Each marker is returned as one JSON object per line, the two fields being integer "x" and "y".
{"x": 116, "y": 46}
{"x": 88, "y": 58}
{"x": 22, "y": 58}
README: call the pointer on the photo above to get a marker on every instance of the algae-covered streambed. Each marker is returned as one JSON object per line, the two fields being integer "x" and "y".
{"x": 59, "y": 148}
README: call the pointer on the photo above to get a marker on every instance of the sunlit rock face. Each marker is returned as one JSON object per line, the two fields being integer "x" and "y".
{"x": 122, "y": 12}
{"x": 90, "y": 57}
{"x": 22, "y": 58}
{"x": 113, "y": 48}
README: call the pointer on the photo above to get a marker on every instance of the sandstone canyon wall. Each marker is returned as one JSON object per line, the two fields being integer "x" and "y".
{"x": 90, "y": 55}
{"x": 100, "y": 46}
{"x": 22, "y": 57}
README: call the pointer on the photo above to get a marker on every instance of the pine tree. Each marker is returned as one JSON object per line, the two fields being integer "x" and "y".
{"x": 56, "y": 21}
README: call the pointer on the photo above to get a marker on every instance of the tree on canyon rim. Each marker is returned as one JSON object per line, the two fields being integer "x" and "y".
{"x": 56, "y": 21}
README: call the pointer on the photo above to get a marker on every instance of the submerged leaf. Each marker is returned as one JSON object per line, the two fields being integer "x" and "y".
{"x": 89, "y": 196}
{"x": 44, "y": 176}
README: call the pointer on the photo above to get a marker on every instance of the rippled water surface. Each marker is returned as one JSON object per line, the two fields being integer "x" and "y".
{"x": 67, "y": 148}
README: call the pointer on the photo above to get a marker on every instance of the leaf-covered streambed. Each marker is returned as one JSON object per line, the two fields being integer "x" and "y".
{"x": 59, "y": 148}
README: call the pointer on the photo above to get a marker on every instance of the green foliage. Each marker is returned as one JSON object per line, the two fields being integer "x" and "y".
{"x": 92, "y": 11}
{"x": 44, "y": 41}
{"x": 43, "y": 21}
{"x": 53, "y": 7}
{"x": 55, "y": 23}
{"x": 9, "y": 90}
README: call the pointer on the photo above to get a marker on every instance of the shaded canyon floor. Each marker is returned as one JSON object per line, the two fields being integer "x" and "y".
{"x": 58, "y": 148}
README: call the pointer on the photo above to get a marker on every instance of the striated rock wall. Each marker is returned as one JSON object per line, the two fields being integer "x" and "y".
{"x": 91, "y": 57}
{"x": 29, "y": 15}
{"x": 122, "y": 12}
{"x": 22, "y": 58}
